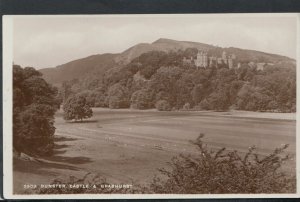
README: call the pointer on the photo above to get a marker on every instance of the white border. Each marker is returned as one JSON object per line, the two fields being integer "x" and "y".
{"x": 7, "y": 40}
{"x": 7, "y": 22}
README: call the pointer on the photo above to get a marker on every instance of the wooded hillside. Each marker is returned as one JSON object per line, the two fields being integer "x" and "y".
{"x": 162, "y": 76}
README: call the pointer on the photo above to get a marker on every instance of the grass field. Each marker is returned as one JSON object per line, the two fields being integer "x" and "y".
{"x": 129, "y": 145}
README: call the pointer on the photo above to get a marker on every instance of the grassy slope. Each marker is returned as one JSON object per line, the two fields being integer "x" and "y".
{"x": 123, "y": 145}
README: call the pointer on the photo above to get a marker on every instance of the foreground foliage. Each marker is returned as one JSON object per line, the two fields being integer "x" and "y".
{"x": 34, "y": 105}
{"x": 209, "y": 172}
{"x": 221, "y": 172}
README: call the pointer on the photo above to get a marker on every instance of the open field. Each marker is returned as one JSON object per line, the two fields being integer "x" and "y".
{"x": 126, "y": 145}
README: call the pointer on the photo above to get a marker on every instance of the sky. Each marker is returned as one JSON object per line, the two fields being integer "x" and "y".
{"x": 48, "y": 41}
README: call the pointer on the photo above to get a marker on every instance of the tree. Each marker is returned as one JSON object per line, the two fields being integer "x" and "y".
{"x": 183, "y": 87}
{"x": 164, "y": 80}
{"x": 34, "y": 105}
{"x": 76, "y": 107}
{"x": 65, "y": 90}
{"x": 163, "y": 105}
{"x": 148, "y": 71}
{"x": 219, "y": 99}
{"x": 118, "y": 96}
{"x": 197, "y": 93}
{"x": 235, "y": 86}
{"x": 253, "y": 99}
{"x": 141, "y": 99}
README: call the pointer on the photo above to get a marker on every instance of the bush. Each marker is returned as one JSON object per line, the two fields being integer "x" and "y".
{"x": 221, "y": 172}
{"x": 163, "y": 105}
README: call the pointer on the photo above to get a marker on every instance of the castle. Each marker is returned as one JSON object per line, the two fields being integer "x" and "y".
{"x": 204, "y": 61}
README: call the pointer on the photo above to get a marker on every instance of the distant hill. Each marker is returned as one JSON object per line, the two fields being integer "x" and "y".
{"x": 159, "y": 45}
{"x": 98, "y": 64}
{"x": 258, "y": 56}
{"x": 95, "y": 64}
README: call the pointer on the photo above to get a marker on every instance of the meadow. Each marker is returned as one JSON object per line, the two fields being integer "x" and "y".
{"x": 128, "y": 146}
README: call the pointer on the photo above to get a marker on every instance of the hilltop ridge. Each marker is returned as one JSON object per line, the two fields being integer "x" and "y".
{"x": 98, "y": 64}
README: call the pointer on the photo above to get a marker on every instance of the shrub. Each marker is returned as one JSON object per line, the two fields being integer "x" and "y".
{"x": 163, "y": 105}
{"x": 221, "y": 171}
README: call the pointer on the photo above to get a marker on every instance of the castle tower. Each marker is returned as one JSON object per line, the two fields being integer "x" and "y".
{"x": 224, "y": 57}
{"x": 205, "y": 60}
{"x": 199, "y": 59}
{"x": 230, "y": 62}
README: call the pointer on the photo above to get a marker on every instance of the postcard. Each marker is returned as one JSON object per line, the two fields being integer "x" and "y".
{"x": 150, "y": 106}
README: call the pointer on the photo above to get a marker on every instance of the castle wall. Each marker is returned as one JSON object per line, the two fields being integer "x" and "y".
{"x": 202, "y": 60}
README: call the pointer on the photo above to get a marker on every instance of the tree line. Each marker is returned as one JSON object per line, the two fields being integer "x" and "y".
{"x": 162, "y": 80}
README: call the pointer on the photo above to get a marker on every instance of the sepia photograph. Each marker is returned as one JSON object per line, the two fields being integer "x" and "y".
{"x": 167, "y": 105}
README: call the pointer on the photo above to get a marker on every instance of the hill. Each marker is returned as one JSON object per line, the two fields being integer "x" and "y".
{"x": 98, "y": 64}
{"x": 161, "y": 44}
{"x": 95, "y": 64}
